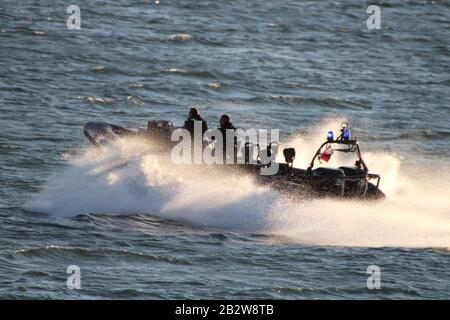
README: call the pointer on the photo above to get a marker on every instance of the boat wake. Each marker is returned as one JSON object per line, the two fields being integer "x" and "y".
{"x": 127, "y": 177}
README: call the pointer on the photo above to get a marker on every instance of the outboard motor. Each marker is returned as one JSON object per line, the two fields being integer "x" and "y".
{"x": 161, "y": 130}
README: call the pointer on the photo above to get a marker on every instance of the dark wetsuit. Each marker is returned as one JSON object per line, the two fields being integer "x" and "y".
{"x": 223, "y": 129}
{"x": 189, "y": 124}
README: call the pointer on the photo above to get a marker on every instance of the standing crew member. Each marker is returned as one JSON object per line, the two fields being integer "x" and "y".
{"x": 194, "y": 115}
{"x": 225, "y": 124}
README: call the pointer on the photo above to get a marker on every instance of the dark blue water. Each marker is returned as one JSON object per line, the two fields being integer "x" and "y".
{"x": 149, "y": 231}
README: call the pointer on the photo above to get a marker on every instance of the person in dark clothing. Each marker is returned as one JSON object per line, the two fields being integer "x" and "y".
{"x": 194, "y": 115}
{"x": 225, "y": 124}
{"x": 189, "y": 124}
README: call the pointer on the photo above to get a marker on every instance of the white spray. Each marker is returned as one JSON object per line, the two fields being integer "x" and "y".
{"x": 126, "y": 178}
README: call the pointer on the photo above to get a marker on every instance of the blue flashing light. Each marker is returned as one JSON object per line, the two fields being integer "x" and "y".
{"x": 330, "y": 136}
{"x": 346, "y": 135}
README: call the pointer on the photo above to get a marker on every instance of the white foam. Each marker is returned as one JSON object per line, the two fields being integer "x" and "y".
{"x": 127, "y": 178}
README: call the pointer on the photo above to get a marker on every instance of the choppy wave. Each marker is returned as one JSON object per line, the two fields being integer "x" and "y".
{"x": 285, "y": 64}
{"x": 312, "y": 101}
{"x": 97, "y": 100}
{"x": 191, "y": 73}
{"x": 180, "y": 37}
{"x": 98, "y": 253}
